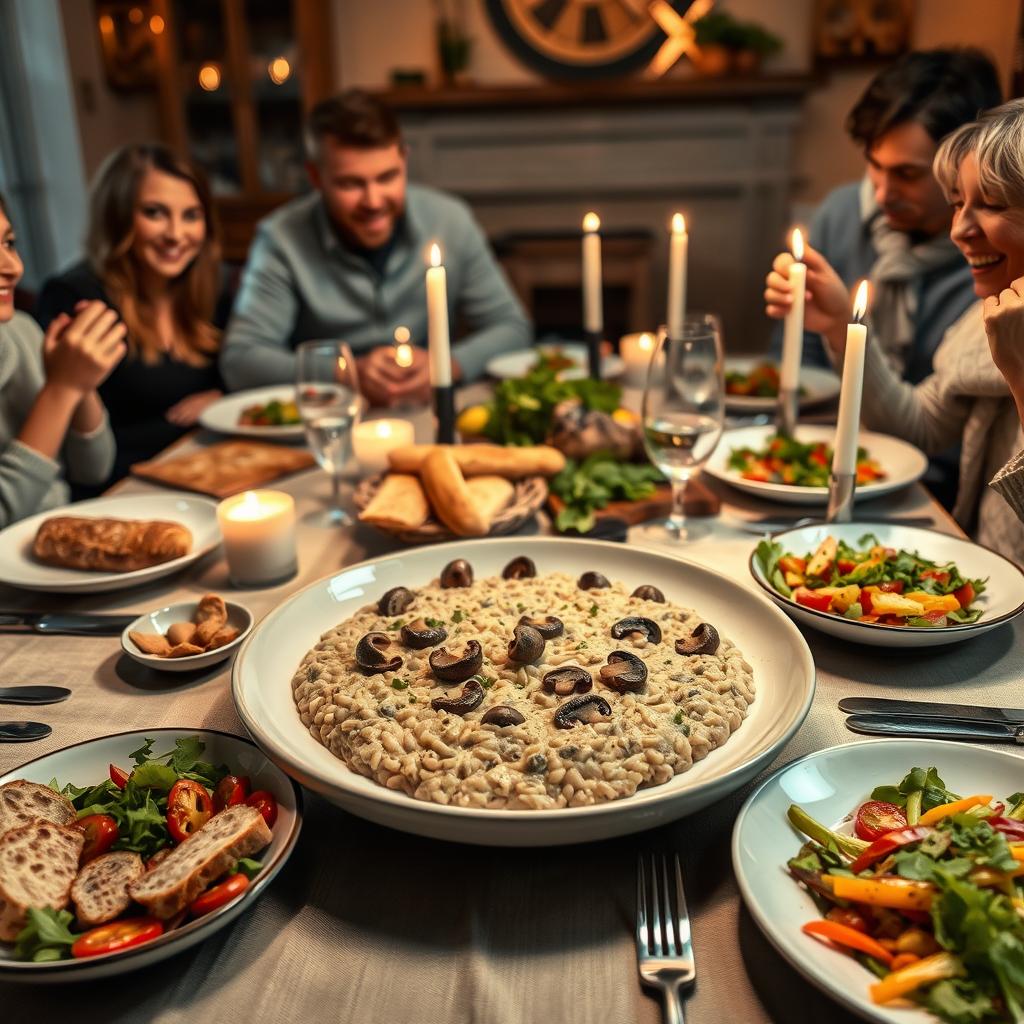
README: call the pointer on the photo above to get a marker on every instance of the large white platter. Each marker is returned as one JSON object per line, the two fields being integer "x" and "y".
{"x": 829, "y": 785}
{"x": 783, "y": 674}
{"x": 88, "y": 764}
{"x": 901, "y": 461}
{"x": 520, "y": 362}
{"x": 1002, "y": 600}
{"x": 222, "y": 416}
{"x": 19, "y": 569}
{"x": 819, "y": 385}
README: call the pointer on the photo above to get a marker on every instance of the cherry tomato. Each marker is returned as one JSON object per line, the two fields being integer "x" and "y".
{"x": 965, "y": 595}
{"x": 189, "y": 808}
{"x": 889, "y": 841}
{"x": 231, "y": 790}
{"x": 217, "y": 895}
{"x": 896, "y": 587}
{"x": 809, "y": 599}
{"x": 877, "y": 817}
{"x": 844, "y": 565}
{"x": 100, "y": 834}
{"x": 118, "y": 935}
{"x": 265, "y": 803}
{"x": 118, "y": 776}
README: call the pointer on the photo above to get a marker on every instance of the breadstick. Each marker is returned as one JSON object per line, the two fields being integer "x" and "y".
{"x": 485, "y": 459}
{"x": 451, "y": 499}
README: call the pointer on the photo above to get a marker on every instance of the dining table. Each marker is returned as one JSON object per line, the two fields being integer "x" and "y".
{"x": 376, "y": 926}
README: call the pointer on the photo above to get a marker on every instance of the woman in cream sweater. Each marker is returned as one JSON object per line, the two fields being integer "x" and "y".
{"x": 50, "y": 415}
{"x": 966, "y": 398}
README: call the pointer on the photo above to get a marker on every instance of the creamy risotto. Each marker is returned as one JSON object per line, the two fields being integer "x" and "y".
{"x": 522, "y": 693}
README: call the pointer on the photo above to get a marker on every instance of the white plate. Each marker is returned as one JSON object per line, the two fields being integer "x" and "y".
{"x": 222, "y": 416}
{"x": 902, "y": 462}
{"x": 829, "y": 785}
{"x": 88, "y": 764}
{"x": 820, "y": 385}
{"x": 160, "y": 621}
{"x": 1002, "y": 600}
{"x": 520, "y": 362}
{"x": 19, "y": 569}
{"x": 783, "y": 673}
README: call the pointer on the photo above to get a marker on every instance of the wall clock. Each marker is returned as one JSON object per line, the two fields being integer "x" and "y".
{"x": 580, "y": 39}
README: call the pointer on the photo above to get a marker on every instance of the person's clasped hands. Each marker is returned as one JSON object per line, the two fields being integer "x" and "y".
{"x": 80, "y": 351}
{"x": 383, "y": 381}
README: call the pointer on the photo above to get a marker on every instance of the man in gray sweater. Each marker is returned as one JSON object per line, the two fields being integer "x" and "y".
{"x": 347, "y": 262}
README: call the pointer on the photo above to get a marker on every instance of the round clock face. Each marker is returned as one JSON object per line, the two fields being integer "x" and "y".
{"x": 580, "y": 38}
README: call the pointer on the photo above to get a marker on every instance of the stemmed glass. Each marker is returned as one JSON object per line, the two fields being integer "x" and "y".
{"x": 327, "y": 394}
{"x": 684, "y": 409}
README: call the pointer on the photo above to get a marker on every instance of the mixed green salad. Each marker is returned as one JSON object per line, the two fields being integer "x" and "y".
{"x": 927, "y": 894}
{"x": 872, "y": 583}
{"x": 590, "y": 485}
{"x": 785, "y": 460}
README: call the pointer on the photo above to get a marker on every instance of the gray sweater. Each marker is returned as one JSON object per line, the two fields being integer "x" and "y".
{"x": 29, "y": 481}
{"x": 302, "y": 282}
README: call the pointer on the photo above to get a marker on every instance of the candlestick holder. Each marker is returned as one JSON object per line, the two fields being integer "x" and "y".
{"x": 841, "y": 490}
{"x": 593, "y": 340}
{"x": 444, "y": 410}
{"x": 786, "y": 412}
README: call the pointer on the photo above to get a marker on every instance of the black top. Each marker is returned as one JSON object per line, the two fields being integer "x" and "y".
{"x": 137, "y": 394}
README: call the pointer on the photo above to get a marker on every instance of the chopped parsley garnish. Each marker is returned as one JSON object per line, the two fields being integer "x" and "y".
{"x": 457, "y": 615}
{"x": 399, "y": 684}
{"x": 593, "y": 610}
{"x": 397, "y": 624}
{"x": 434, "y": 623}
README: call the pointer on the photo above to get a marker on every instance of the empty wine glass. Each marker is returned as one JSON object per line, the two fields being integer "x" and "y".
{"x": 683, "y": 409}
{"x": 327, "y": 394}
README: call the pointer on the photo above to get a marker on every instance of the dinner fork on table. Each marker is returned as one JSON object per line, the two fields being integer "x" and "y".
{"x": 664, "y": 954}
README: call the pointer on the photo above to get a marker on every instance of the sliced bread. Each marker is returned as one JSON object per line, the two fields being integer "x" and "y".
{"x": 38, "y": 863}
{"x": 22, "y": 802}
{"x": 100, "y": 892}
{"x": 189, "y": 868}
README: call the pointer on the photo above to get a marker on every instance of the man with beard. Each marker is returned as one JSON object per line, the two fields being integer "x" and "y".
{"x": 347, "y": 262}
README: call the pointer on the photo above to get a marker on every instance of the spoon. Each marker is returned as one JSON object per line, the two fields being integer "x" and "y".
{"x": 33, "y": 694}
{"x": 22, "y": 732}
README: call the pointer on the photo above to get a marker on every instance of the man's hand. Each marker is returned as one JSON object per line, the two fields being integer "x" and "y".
{"x": 186, "y": 413}
{"x": 384, "y": 382}
{"x": 1004, "y": 325}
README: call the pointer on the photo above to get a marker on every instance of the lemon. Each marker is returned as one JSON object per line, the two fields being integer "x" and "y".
{"x": 473, "y": 420}
{"x": 626, "y": 417}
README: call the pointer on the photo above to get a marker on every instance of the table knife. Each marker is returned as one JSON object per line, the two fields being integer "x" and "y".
{"x": 67, "y": 623}
{"x": 779, "y": 524}
{"x": 33, "y": 694}
{"x": 936, "y": 728}
{"x": 23, "y": 732}
{"x": 928, "y": 709}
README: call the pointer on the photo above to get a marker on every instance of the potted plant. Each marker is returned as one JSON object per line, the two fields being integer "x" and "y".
{"x": 724, "y": 44}
{"x": 454, "y": 45}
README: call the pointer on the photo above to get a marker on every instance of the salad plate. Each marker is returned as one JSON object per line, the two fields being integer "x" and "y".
{"x": 998, "y": 583}
{"x": 817, "y": 385}
{"x": 829, "y": 786}
{"x": 571, "y": 362}
{"x": 88, "y": 764}
{"x": 19, "y": 569}
{"x": 899, "y": 462}
{"x": 778, "y": 655}
{"x": 232, "y": 414}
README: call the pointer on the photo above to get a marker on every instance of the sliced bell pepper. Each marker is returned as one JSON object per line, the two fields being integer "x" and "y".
{"x": 842, "y": 935}
{"x": 897, "y": 893}
{"x": 824, "y": 558}
{"x": 885, "y": 845}
{"x": 812, "y": 599}
{"x": 965, "y": 595}
{"x": 1014, "y": 832}
{"x": 927, "y": 971}
{"x": 956, "y": 807}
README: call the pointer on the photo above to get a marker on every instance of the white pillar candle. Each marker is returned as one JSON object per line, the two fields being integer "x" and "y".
{"x": 793, "y": 330}
{"x": 593, "y": 314}
{"x": 373, "y": 439}
{"x": 636, "y": 350}
{"x": 844, "y": 458}
{"x": 258, "y": 528}
{"x": 679, "y": 244}
{"x": 438, "y": 340}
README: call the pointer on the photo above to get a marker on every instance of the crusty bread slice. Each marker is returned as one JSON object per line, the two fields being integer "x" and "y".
{"x": 178, "y": 879}
{"x": 22, "y": 802}
{"x": 38, "y": 863}
{"x": 100, "y": 892}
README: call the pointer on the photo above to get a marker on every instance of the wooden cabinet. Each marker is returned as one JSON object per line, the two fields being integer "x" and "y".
{"x": 235, "y": 80}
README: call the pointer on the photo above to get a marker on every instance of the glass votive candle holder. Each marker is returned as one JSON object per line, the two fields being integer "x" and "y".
{"x": 258, "y": 528}
{"x": 373, "y": 439}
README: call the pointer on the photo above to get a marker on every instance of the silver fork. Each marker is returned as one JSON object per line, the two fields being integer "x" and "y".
{"x": 664, "y": 954}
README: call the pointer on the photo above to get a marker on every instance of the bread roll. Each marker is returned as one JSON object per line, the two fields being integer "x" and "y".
{"x": 399, "y": 504}
{"x": 490, "y": 495}
{"x": 109, "y": 545}
{"x": 484, "y": 459}
{"x": 449, "y": 496}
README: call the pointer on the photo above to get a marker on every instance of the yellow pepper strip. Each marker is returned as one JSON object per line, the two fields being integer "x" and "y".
{"x": 908, "y": 979}
{"x": 898, "y": 893}
{"x": 956, "y": 807}
{"x": 934, "y": 602}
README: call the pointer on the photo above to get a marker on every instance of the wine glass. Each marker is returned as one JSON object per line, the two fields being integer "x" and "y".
{"x": 684, "y": 409}
{"x": 327, "y": 394}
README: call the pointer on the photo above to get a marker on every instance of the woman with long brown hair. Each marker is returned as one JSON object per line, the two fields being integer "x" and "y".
{"x": 152, "y": 253}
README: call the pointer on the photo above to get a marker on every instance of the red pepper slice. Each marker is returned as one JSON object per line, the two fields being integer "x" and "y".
{"x": 895, "y": 587}
{"x": 118, "y": 776}
{"x": 189, "y": 808}
{"x": 965, "y": 595}
{"x": 809, "y": 599}
{"x": 1010, "y": 827}
{"x": 891, "y": 841}
{"x": 118, "y": 935}
{"x": 940, "y": 577}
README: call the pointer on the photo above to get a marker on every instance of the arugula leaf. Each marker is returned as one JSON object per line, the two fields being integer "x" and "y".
{"x": 144, "y": 752}
{"x": 960, "y": 1001}
{"x": 248, "y": 867}
{"x": 153, "y": 775}
{"x": 46, "y": 936}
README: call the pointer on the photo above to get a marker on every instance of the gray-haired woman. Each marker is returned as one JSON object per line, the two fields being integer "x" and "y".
{"x": 966, "y": 398}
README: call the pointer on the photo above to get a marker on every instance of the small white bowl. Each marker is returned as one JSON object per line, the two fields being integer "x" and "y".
{"x": 161, "y": 620}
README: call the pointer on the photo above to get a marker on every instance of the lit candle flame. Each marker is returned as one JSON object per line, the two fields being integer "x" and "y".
{"x": 678, "y": 224}
{"x": 435, "y": 255}
{"x": 279, "y": 70}
{"x": 342, "y": 364}
{"x": 591, "y": 222}
{"x": 383, "y": 428}
{"x": 860, "y": 301}
{"x": 645, "y": 341}
{"x": 798, "y": 245}
{"x": 402, "y": 335}
{"x": 403, "y": 355}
